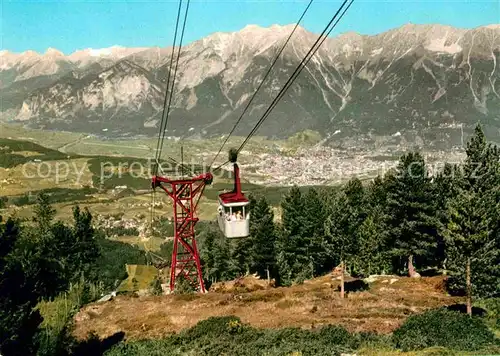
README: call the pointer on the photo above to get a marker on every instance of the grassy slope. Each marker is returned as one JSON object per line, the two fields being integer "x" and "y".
{"x": 381, "y": 309}
{"x": 139, "y": 277}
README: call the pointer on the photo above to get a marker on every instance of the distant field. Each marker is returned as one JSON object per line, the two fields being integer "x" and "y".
{"x": 195, "y": 151}
{"x": 49, "y": 139}
{"x": 139, "y": 277}
{"x": 89, "y": 169}
{"x": 16, "y": 152}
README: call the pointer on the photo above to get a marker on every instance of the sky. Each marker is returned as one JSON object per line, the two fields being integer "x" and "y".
{"x": 72, "y": 25}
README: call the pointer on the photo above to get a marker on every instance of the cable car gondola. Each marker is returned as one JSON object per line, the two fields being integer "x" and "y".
{"x": 234, "y": 214}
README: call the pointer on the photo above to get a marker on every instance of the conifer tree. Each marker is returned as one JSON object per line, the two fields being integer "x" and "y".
{"x": 445, "y": 185}
{"x": 355, "y": 194}
{"x": 340, "y": 229}
{"x": 62, "y": 247}
{"x": 293, "y": 212}
{"x": 241, "y": 255}
{"x": 208, "y": 256}
{"x": 263, "y": 239}
{"x": 477, "y": 203}
{"x": 471, "y": 244}
{"x": 38, "y": 263}
{"x": 222, "y": 269}
{"x": 18, "y": 293}
{"x": 43, "y": 212}
{"x": 315, "y": 213}
{"x": 377, "y": 192}
{"x": 476, "y": 165}
{"x": 411, "y": 213}
{"x": 30, "y": 270}
{"x": 292, "y": 244}
{"x": 373, "y": 256}
{"x": 86, "y": 249}
{"x": 284, "y": 264}
{"x": 216, "y": 256}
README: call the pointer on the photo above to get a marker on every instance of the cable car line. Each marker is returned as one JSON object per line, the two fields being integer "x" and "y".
{"x": 314, "y": 48}
{"x": 165, "y": 102}
{"x": 299, "y": 69}
{"x": 262, "y": 81}
{"x": 175, "y": 73}
{"x": 173, "y": 80}
{"x": 162, "y": 121}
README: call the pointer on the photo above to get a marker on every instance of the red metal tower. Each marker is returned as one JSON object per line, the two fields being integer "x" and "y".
{"x": 185, "y": 194}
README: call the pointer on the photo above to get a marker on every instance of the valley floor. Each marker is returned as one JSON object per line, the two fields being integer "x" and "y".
{"x": 381, "y": 309}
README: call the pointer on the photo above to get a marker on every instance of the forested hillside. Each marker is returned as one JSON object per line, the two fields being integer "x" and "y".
{"x": 406, "y": 222}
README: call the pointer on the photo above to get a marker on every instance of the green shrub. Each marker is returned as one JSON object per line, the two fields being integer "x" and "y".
{"x": 156, "y": 288}
{"x": 22, "y": 200}
{"x": 166, "y": 249}
{"x": 212, "y": 327}
{"x": 183, "y": 285}
{"x": 444, "y": 328}
{"x": 55, "y": 332}
{"x": 337, "y": 335}
{"x": 3, "y": 202}
{"x": 227, "y": 335}
{"x": 492, "y": 307}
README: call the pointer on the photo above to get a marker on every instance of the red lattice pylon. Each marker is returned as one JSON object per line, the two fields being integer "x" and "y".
{"x": 186, "y": 194}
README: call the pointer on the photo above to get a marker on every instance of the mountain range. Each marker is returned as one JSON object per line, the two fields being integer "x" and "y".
{"x": 415, "y": 81}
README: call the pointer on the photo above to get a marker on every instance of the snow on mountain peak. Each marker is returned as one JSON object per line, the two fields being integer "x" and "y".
{"x": 252, "y": 27}
{"x": 30, "y": 53}
{"x": 53, "y": 52}
{"x": 100, "y": 52}
{"x": 90, "y": 55}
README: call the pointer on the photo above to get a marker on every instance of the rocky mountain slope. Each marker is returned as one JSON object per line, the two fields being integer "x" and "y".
{"x": 416, "y": 80}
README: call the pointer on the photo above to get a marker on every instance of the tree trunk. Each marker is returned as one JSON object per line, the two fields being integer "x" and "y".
{"x": 268, "y": 275}
{"x": 411, "y": 268}
{"x": 342, "y": 270}
{"x": 469, "y": 288}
